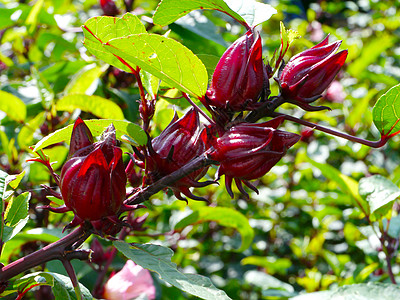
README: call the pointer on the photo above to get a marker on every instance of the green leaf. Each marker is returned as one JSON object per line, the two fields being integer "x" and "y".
{"x": 165, "y": 58}
{"x": 57, "y": 155}
{"x": 41, "y": 234}
{"x": 63, "y": 288}
{"x": 14, "y": 107}
{"x": 45, "y": 90}
{"x": 25, "y": 135}
{"x": 270, "y": 285}
{"x": 83, "y": 81}
{"x": 394, "y": 226}
{"x": 96, "y": 127}
{"x": 17, "y": 209}
{"x": 61, "y": 285}
{"x": 245, "y": 12}
{"x": 270, "y": 263}
{"x": 3, "y": 184}
{"x": 380, "y": 194}
{"x": 31, "y": 280}
{"x": 5, "y": 17}
{"x": 99, "y": 30}
{"x": 150, "y": 83}
{"x": 362, "y": 291}
{"x": 386, "y": 112}
{"x": 98, "y": 106}
{"x": 287, "y": 38}
{"x": 32, "y": 18}
{"x": 370, "y": 53}
{"x": 199, "y": 24}
{"x": 347, "y": 184}
{"x": 224, "y": 216}
{"x": 365, "y": 272}
{"x": 210, "y": 62}
{"x": 10, "y": 232}
{"x": 158, "y": 259}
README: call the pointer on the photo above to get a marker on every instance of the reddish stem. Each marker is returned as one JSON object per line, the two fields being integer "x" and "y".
{"x": 373, "y": 144}
{"x": 71, "y": 273}
{"x": 57, "y": 250}
{"x": 186, "y": 96}
{"x": 98, "y": 287}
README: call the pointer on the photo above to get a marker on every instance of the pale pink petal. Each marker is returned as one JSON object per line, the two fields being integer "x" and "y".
{"x": 129, "y": 283}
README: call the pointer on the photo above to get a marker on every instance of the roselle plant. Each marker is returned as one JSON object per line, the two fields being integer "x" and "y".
{"x": 240, "y": 117}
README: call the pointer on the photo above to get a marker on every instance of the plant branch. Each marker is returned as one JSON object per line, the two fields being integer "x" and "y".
{"x": 58, "y": 250}
{"x": 373, "y": 144}
{"x": 265, "y": 110}
{"x": 145, "y": 193}
{"x": 146, "y": 112}
{"x": 71, "y": 273}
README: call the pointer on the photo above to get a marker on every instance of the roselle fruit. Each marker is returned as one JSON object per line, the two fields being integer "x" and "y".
{"x": 180, "y": 142}
{"x": 248, "y": 151}
{"x": 310, "y": 72}
{"x": 239, "y": 77}
{"x": 109, "y": 8}
{"x": 93, "y": 180}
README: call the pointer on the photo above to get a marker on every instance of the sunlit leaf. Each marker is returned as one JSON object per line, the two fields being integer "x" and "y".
{"x": 96, "y": 127}
{"x": 99, "y": 30}
{"x": 270, "y": 263}
{"x": 165, "y": 58}
{"x": 158, "y": 259}
{"x": 26, "y": 134}
{"x": 150, "y": 82}
{"x": 45, "y": 90}
{"x": 3, "y": 184}
{"x": 82, "y": 81}
{"x": 32, "y": 18}
{"x": 14, "y": 107}
{"x": 247, "y": 12}
{"x": 362, "y": 291}
{"x": 17, "y": 209}
{"x": 224, "y": 216}
{"x": 61, "y": 285}
{"x": 269, "y": 285}
{"x": 380, "y": 193}
{"x": 199, "y": 24}
{"x": 370, "y": 53}
{"x": 386, "y": 112}
{"x": 9, "y": 232}
{"x": 98, "y": 106}
{"x": 347, "y": 184}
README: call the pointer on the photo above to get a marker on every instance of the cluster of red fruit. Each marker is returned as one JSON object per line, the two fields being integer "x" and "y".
{"x": 93, "y": 180}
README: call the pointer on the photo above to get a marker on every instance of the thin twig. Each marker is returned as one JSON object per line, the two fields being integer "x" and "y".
{"x": 186, "y": 96}
{"x": 373, "y": 144}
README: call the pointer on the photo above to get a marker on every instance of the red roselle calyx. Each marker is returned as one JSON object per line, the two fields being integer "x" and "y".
{"x": 180, "y": 142}
{"x": 109, "y": 8}
{"x": 93, "y": 180}
{"x": 248, "y": 151}
{"x": 239, "y": 77}
{"x": 310, "y": 72}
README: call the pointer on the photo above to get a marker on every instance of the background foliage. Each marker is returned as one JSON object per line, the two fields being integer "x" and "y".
{"x": 316, "y": 224}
